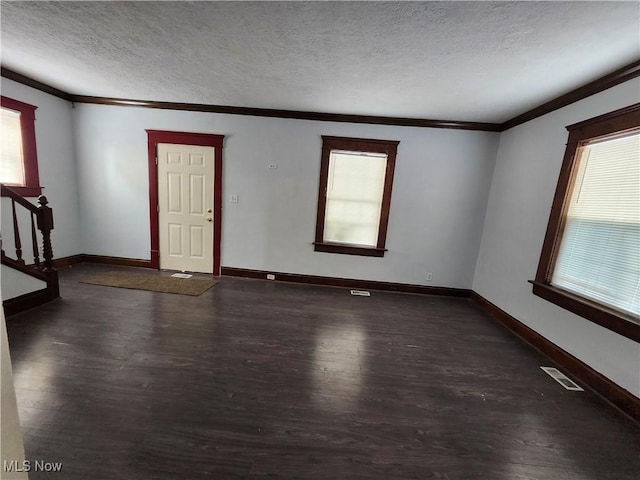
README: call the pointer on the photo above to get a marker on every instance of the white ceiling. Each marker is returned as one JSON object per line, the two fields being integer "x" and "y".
{"x": 470, "y": 61}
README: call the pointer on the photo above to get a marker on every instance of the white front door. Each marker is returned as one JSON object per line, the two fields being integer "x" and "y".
{"x": 185, "y": 206}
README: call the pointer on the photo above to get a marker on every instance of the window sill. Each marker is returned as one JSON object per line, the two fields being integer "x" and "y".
{"x": 26, "y": 191}
{"x": 349, "y": 249}
{"x": 619, "y": 322}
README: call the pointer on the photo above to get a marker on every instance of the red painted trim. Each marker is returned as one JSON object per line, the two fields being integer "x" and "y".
{"x": 31, "y": 186}
{"x": 621, "y": 121}
{"x": 612, "y": 393}
{"x": 25, "y": 302}
{"x": 346, "y": 282}
{"x": 154, "y": 137}
{"x": 153, "y": 201}
{"x": 27, "y": 192}
{"x": 217, "y": 207}
{"x": 330, "y": 143}
{"x": 601, "y": 84}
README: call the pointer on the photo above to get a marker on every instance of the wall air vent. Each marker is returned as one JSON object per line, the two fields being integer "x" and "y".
{"x": 562, "y": 379}
{"x": 360, "y": 293}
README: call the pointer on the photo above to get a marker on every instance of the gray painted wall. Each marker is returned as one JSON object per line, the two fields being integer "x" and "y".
{"x": 438, "y": 204}
{"x": 524, "y": 182}
{"x": 15, "y": 283}
{"x": 57, "y": 168}
{"x": 443, "y": 178}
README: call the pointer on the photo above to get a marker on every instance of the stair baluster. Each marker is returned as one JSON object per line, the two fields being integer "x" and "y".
{"x": 16, "y": 233}
{"x": 34, "y": 241}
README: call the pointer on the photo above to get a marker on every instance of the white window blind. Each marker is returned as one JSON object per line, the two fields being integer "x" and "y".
{"x": 599, "y": 255}
{"x": 11, "y": 159}
{"x": 355, "y": 187}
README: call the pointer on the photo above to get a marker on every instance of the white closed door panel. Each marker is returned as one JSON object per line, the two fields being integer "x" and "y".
{"x": 185, "y": 198}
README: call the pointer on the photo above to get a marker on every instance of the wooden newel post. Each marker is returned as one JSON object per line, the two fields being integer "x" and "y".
{"x": 45, "y": 225}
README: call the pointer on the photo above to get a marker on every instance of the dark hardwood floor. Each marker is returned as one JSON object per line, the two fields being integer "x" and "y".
{"x": 262, "y": 380}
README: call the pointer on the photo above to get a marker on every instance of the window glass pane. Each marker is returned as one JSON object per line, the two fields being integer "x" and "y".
{"x": 599, "y": 255}
{"x": 11, "y": 164}
{"x": 354, "y": 197}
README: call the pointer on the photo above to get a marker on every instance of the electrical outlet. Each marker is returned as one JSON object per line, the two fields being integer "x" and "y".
{"x": 273, "y": 165}
{"x": 429, "y": 276}
{"x": 233, "y": 198}
{"x": 271, "y": 276}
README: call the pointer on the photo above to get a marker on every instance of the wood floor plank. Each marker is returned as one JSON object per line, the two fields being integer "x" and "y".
{"x": 266, "y": 380}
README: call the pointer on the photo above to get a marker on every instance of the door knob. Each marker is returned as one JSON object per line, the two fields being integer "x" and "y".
{"x": 209, "y": 219}
{"x": 209, "y": 210}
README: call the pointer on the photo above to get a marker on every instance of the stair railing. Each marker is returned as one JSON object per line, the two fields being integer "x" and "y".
{"x": 41, "y": 218}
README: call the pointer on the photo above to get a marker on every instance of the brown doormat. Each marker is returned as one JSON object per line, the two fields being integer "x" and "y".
{"x": 154, "y": 283}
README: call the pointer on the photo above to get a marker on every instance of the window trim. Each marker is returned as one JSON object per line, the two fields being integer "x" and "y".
{"x": 329, "y": 143}
{"x": 31, "y": 187}
{"x": 616, "y": 122}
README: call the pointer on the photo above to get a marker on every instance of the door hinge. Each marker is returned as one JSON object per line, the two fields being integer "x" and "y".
{"x": 156, "y": 160}
{"x": 157, "y": 208}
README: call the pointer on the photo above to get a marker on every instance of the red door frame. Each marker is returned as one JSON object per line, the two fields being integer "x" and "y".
{"x": 154, "y": 137}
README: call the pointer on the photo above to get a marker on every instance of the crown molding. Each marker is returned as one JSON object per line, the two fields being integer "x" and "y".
{"x": 612, "y": 79}
{"x": 596, "y": 86}
{"x": 293, "y": 114}
{"x": 30, "y": 82}
{"x": 256, "y": 112}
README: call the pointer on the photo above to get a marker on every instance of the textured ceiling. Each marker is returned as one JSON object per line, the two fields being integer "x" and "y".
{"x": 471, "y": 61}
